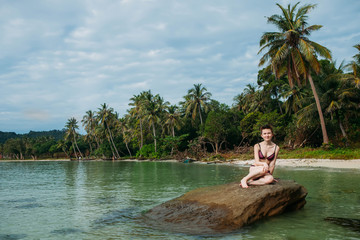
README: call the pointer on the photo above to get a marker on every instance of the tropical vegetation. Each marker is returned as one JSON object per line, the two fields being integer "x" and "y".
{"x": 310, "y": 100}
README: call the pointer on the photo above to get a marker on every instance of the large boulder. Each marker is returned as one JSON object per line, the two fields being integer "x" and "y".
{"x": 223, "y": 208}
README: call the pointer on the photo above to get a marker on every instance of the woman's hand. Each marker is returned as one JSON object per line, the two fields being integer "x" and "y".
{"x": 265, "y": 168}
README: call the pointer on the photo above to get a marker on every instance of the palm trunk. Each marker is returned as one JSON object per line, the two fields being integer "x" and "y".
{"x": 97, "y": 141}
{"x": 201, "y": 121}
{"x": 112, "y": 141}
{"x": 77, "y": 147}
{"x": 154, "y": 133}
{"x": 74, "y": 150}
{"x": 91, "y": 150}
{"x": 173, "y": 134}
{"x": 321, "y": 116}
{"x": 342, "y": 128}
{"x": 127, "y": 146}
{"x": 111, "y": 147}
{"x": 141, "y": 135}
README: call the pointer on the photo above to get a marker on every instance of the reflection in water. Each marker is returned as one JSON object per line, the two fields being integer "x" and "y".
{"x": 104, "y": 200}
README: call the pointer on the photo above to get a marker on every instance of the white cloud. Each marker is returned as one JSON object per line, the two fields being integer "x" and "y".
{"x": 62, "y": 58}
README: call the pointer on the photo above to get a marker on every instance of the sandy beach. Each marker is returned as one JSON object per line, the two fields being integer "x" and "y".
{"x": 308, "y": 162}
{"x": 327, "y": 163}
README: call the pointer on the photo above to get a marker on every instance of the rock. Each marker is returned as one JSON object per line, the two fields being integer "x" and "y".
{"x": 224, "y": 208}
{"x": 350, "y": 223}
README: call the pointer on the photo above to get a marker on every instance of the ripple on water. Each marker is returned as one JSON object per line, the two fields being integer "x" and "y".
{"x": 30, "y": 205}
{"x": 66, "y": 231}
{"x": 117, "y": 216}
{"x": 22, "y": 200}
{"x": 12, "y": 236}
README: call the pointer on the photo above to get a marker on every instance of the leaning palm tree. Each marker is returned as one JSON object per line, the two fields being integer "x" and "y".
{"x": 90, "y": 123}
{"x": 172, "y": 121}
{"x": 154, "y": 107}
{"x": 197, "y": 100}
{"x": 104, "y": 116}
{"x": 71, "y": 134}
{"x": 290, "y": 51}
{"x": 137, "y": 112}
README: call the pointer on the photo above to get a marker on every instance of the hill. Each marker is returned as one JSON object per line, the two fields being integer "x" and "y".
{"x": 57, "y": 134}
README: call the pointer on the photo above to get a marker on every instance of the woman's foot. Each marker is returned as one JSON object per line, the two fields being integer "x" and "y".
{"x": 243, "y": 183}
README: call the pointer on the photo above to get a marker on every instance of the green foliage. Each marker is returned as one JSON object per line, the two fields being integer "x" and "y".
{"x": 148, "y": 151}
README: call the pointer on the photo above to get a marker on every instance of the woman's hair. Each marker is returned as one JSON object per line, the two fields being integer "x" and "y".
{"x": 267, "y": 126}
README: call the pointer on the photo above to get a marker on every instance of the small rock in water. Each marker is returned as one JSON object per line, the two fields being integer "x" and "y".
{"x": 353, "y": 224}
{"x": 225, "y": 208}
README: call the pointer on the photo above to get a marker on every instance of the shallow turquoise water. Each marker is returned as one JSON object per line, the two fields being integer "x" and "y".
{"x": 103, "y": 200}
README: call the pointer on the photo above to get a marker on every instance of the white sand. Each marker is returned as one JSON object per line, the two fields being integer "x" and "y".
{"x": 328, "y": 163}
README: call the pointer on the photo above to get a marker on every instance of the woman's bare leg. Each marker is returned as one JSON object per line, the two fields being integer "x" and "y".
{"x": 267, "y": 179}
{"x": 253, "y": 172}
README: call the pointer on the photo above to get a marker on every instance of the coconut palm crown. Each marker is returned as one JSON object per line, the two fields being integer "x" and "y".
{"x": 291, "y": 52}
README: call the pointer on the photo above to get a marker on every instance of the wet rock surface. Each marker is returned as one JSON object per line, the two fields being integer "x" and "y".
{"x": 225, "y": 208}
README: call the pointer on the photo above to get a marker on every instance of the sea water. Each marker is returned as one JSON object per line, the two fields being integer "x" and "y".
{"x": 105, "y": 200}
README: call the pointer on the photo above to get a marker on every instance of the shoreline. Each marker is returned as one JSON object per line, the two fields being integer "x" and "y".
{"x": 310, "y": 162}
{"x": 297, "y": 162}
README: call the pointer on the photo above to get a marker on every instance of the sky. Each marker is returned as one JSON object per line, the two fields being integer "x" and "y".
{"x": 61, "y": 58}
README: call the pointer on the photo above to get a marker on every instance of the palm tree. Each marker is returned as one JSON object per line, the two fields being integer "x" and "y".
{"x": 290, "y": 51}
{"x": 137, "y": 112}
{"x": 354, "y": 67}
{"x": 71, "y": 134}
{"x": 123, "y": 125}
{"x": 197, "y": 100}
{"x": 154, "y": 107}
{"x": 105, "y": 117}
{"x": 339, "y": 96}
{"x": 294, "y": 98}
{"x": 89, "y": 123}
{"x": 172, "y": 119}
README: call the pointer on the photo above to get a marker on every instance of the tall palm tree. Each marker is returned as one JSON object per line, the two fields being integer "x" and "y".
{"x": 105, "y": 117}
{"x": 123, "y": 125}
{"x": 137, "y": 112}
{"x": 90, "y": 123}
{"x": 71, "y": 134}
{"x": 196, "y": 101}
{"x": 172, "y": 119}
{"x": 290, "y": 50}
{"x": 339, "y": 96}
{"x": 154, "y": 107}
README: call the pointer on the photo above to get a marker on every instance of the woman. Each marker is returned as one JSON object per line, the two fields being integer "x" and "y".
{"x": 265, "y": 154}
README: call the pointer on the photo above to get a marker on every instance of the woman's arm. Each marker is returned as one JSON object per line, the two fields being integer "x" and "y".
{"x": 273, "y": 162}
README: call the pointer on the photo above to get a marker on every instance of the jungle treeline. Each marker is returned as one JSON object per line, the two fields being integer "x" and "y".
{"x": 307, "y": 97}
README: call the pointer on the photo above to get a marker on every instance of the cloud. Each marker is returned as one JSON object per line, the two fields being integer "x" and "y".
{"x": 62, "y": 58}
{"x": 38, "y": 115}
